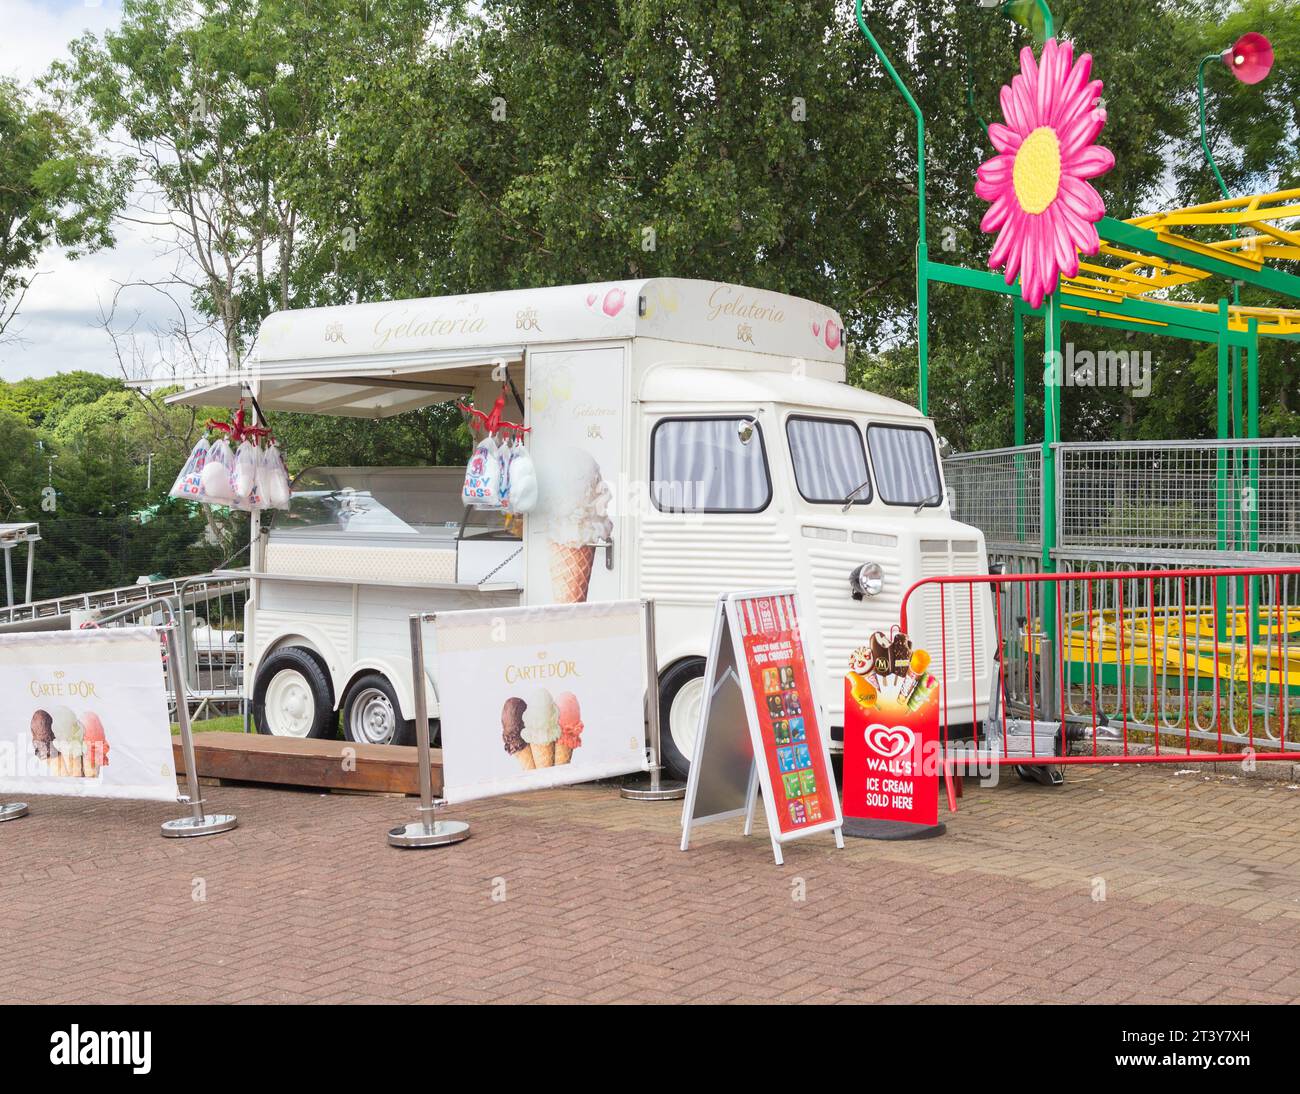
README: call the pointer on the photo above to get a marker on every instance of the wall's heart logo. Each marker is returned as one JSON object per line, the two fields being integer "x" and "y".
{"x": 890, "y": 743}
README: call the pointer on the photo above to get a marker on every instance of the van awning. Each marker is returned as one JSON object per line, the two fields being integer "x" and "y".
{"x": 356, "y": 388}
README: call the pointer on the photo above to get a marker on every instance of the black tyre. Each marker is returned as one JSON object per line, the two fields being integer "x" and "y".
{"x": 681, "y": 694}
{"x": 372, "y": 715}
{"x": 293, "y": 696}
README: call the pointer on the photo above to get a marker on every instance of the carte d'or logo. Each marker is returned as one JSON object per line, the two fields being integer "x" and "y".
{"x": 544, "y": 670}
{"x": 60, "y": 687}
{"x": 890, "y": 742}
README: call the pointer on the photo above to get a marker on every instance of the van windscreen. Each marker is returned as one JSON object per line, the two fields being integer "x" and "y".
{"x": 906, "y": 467}
{"x": 829, "y": 460}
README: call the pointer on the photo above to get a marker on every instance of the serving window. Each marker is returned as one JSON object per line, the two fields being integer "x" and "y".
{"x": 409, "y": 506}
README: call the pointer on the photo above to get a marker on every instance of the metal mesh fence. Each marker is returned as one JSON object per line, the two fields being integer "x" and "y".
{"x": 999, "y": 492}
{"x": 1180, "y": 496}
{"x": 1153, "y": 499}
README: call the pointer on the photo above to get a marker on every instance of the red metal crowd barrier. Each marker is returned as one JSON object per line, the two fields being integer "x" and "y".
{"x": 1116, "y": 666}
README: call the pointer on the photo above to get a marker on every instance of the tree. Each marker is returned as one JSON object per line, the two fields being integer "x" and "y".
{"x": 224, "y": 104}
{"x": 55, "y": 190}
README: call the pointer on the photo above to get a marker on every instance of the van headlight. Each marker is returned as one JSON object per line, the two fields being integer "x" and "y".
{"x": 867, "y": 580}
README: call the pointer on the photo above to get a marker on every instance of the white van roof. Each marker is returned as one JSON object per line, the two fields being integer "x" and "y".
{"x": 686, "y": 383}
{"x": 707, "y": 313}
{"x": 377, "y": 360}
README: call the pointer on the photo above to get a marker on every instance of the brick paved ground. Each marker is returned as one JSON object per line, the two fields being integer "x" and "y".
{"x": 305, "y": 902}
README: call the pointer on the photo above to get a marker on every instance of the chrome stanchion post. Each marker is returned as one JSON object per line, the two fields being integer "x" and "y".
{"x": 656, "y": 788}
{"x": 427, "y": 831}
{"x": 197, "y": 823}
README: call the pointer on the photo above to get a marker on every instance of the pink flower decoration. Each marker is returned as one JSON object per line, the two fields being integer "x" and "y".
{"x": 1043, "y": 210}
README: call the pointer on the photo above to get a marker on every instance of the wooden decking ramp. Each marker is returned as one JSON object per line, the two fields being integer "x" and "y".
{"x": 288, "y": 761}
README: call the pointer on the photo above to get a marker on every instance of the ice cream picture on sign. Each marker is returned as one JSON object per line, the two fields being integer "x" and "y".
{"x": 539, "y": 730}
{"x": 577, "y": 500}
{"x": 67, "y": 746}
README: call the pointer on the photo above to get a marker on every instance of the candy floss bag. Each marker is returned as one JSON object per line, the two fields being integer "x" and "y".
{"x": 482, "y": 487}
{"x": 248, "y": 461}
{"x": 188, "y": 485}
{"x": 215, "y": 483}
{"x": 273, "y": 482}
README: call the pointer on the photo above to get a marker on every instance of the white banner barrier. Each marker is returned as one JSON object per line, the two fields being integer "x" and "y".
{"x": 540, "y": 697}
{"x": 85, "y": 715}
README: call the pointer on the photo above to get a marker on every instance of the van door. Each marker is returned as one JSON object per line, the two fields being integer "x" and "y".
{"x": 577, "y": 403}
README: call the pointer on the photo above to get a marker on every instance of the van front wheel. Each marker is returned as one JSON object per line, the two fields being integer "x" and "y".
{"x": 681, "y": 695}
{"x": 292, "y": 696}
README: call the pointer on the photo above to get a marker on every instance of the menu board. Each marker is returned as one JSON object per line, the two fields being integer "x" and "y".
{"x": 798, "y": 766}
{"x": 761, "y": 726}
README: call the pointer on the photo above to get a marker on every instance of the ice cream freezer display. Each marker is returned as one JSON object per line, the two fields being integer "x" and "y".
{"x": 672, "y": 440}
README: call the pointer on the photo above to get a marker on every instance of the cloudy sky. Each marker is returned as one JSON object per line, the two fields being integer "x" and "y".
{"x": 58, "y": 326}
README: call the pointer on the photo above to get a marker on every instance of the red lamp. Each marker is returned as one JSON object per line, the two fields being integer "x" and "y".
{"x": 1250, "y": 57}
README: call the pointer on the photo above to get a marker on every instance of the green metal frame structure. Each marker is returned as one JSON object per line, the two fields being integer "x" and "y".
{"x": 1067, "y": 304}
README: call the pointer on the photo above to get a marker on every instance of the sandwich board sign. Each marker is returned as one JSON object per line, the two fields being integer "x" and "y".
{"x": 761, "y": 726}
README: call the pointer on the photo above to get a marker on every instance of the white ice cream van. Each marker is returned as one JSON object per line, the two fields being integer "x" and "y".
{"x": 689, "y": 437}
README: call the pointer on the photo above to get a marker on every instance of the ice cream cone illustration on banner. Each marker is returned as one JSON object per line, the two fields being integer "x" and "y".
{"x": 541, "y": 727}
{"x": 43, "y": 741}
{"x": 512, "y": 726}
{"x": 570, "y": 727}
{"x": 578, "y": 503}
{"x": 68, "y": 742}
{"x": 96, "y": 743}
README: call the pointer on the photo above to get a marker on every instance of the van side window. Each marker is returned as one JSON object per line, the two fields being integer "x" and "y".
{"x": 829, "y": 460}
{"x": 906, "y": 467}
{"x": 701, "y": 465}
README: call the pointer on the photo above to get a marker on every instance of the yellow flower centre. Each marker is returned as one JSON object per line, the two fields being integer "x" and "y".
{"x": 1036, "y": 175}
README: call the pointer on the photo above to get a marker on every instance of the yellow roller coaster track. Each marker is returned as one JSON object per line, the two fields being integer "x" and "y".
{"x": 1259, "y": 237}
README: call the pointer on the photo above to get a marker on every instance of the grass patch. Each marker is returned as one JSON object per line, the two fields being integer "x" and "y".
{"x": 232, "y": 723}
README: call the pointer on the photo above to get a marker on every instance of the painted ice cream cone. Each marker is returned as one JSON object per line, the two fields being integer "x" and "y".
{"x": 512, "y": 725}
{"x": 541, "y": 727}
{"x": 577, "y": 507}
{"x": 43, "y": 741}
{"x": 68, "y": 742}
{"x": 571, "y": 572}
{"x": 570, "y": 727}
{"x": 96, "y": 754}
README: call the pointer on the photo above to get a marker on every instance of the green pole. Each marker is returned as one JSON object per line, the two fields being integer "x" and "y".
{"x": 1233, "y": 356}
{"x": 1205, "y": 137}
{"x": 1223, "y": 506}
{"x": 1018, "y": 356}
{"x": 1052, "y": 380}
{"x": 1051, "y": 425}
{"x": 922, "y": 250}
{"x": 1049, "y": 27}
{"x": 1252, "y": 431}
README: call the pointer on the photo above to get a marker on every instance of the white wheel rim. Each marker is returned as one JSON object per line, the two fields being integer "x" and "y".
{"x": 684, "y": 716}
{"x": 290, "y": 704}
{"x": 371, "y": 718}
